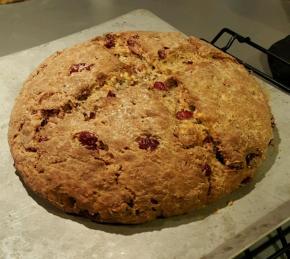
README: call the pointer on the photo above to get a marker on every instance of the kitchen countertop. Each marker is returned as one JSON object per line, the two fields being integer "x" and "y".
{"x": 34, "y": 22}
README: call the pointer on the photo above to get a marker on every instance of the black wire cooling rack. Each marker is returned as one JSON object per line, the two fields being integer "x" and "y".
{"x": 225, "y": 32}
{"x": 277, "y": 238}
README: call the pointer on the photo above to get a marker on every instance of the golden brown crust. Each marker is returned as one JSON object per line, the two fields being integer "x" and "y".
{"x": 132, "y": 126}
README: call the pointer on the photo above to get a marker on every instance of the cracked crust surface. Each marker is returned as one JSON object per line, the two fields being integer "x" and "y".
{"x": 132, "y": 126}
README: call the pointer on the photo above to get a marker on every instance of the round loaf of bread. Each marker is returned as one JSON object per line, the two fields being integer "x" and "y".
{"x": 132, "y": 126}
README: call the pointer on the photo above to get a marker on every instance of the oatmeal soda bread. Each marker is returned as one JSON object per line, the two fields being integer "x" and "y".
{"x": 132, "y": 126}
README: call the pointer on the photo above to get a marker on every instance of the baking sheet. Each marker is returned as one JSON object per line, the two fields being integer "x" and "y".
{"x": 30, "y": 228}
